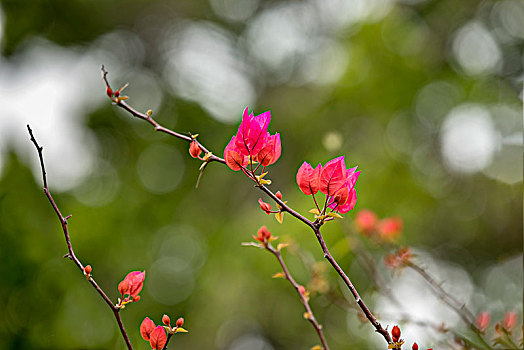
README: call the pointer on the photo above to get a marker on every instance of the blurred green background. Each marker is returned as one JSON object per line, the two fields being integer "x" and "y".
{"x": 424, "y": 96}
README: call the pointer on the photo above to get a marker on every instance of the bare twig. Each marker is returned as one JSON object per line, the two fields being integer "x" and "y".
{"x": 304, "y": 298}
{"x": 71, "y": 254}
{"x": 460, "y": 308}
{"x": 315, "y": 226}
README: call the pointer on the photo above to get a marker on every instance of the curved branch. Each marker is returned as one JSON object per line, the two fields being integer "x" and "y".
{"x": 303, "y": 298}
{"x": 71, "y": 254}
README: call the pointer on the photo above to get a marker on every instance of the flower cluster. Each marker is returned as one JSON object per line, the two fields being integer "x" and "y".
{"x": 130, "y": 287}
{"x": 503, "y": 334}
{"x": 264, "y": 236}
{"x": 156, "y": 335}
{"x": 333, "y": 180}
{"x": 386, "y": 229}
{"x": 253, "y": 143}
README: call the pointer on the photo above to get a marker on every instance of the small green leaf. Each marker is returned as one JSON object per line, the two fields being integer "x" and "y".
{"x": 279, "y": 275}
{"x": 335, "y": 215}
{"x": 279, "y": 216}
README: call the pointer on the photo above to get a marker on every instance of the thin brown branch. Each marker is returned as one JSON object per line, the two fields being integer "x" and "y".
{"x": 315, "y": 226}
{"x": 460, "y": 308}
{"x": 303, "y": 298}
{"x": 120, "y": 103}
{"x": 71, "y": 254}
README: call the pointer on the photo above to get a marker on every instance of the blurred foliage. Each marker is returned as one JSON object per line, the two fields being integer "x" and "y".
{"x": 138, "y": 208}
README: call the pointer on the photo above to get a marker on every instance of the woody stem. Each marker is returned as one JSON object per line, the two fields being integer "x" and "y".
{"x": 71, "y": 254}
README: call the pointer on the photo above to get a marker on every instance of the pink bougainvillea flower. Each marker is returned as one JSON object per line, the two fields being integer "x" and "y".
{"x": 132, "y": 285}
{"x": 333, "y": 176}
{"x": 146, "y": 327}
{"x": 252, "y": 133}
{"x": 332, "y": 179}
{"x": 271, "y": 152}
{"x": 233, "y": 156}
{"x": 158, "y": 338}
{"x": 308, "y": 179}
{"x": 366, "y": 221}
{"x": 345, "y": 198}
{"x": 266, "y": 207}
{"x": 390, "y": 228}
{"x": 253, "y": 141}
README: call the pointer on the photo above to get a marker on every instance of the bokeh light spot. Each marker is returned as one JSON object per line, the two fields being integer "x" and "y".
{"x": 476, "y": 50}
{"x": 468, "y": 139}
{"x": 160, "y": 168}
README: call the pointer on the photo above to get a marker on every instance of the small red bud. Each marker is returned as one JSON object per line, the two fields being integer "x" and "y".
{"x": 302, "y": 290}
{"x": 414, "y": 347}
{"x": 263, "y": 234}
{"x": 279, "y": 195}
{"x": 266, "y": 207}
{"x": 117, "y": 93}
{"x": 87, "y": 270}
{"x": 194, "y": 149}
{"x": 510, "y": 320}
{"x": 136, "y": 298}
{"x": 483, "y": 320}
{"x": 395, "y": 334}
{"x": 180, "y": 322}
{"x": 109, "y": 92}
{"x": 166, "y": 320}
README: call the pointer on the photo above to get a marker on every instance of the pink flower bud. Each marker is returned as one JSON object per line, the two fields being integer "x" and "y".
{"x": 132, "y": 284}
{"x": 109, "y": 92}
{"x": 87, "y": 270}
{"x": 483, "y": 319}
{"x": 180, "y": 322}
{"x": 166, "y": 320}
{"x": 414, "y": 347}
{"x": 278, "y": 195}
{"x": 263, "y": 235}
{"x": 194, "y": 149}
{"x": 510, "y": 320}
{"x": 395, "y": 334}
{"x": 302, "y": 290}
